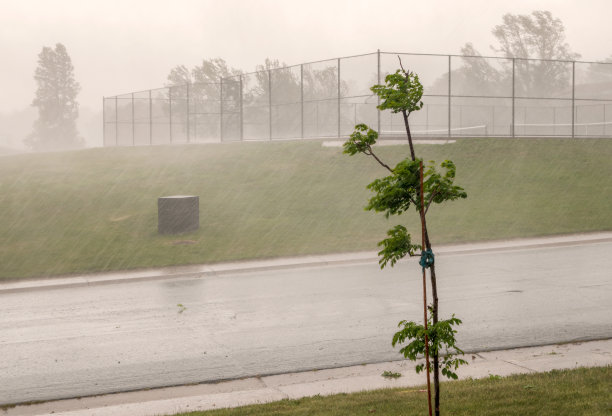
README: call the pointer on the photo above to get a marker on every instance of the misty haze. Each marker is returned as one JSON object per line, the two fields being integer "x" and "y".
{"x": 213, "y": 205}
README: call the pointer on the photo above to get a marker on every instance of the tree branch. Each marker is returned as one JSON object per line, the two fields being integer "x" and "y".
{"x": 407, "y": 125}
{"x": 431, "y": 197}
{"x": 383, "y": 164}
{"x": 401, "y": 66}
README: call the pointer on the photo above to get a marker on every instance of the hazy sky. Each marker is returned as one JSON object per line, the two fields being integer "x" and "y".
{"x": 119, "y": 46}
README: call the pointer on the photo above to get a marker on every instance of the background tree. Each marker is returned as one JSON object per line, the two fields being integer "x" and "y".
{"x": 477, "y": 76}
{"x": 202, "y": 85}
{"x": 599, "y": 75}
{"x": 209, "y": 72}
{"x": 285, "y": 83}
{"x": 538, "y": 35}
{"x": 203, "y": 79}
{"x": 55, "y": 100}
{"x": 397, "y": 193}
{"x": 207, "y": 77}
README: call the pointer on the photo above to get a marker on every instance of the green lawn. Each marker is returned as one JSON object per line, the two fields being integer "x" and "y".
{"x": 584, "y": 391}
{"x": 96, "y": 210}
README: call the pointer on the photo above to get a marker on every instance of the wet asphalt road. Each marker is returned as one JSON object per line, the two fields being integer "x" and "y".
{"x": 81, "y": 341}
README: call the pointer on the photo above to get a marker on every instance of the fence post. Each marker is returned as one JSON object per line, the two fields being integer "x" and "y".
{"x": 116, "y": 121}
{"x": 513, "y": 97}
{"x": 195, "y": 117}
{"x": 449, "y": 96}
{"x": 104, "y": 121}
{"x": 188, "y": 121}
{"x": 317, "y": 119}
{"x": 604, "y": 119}
{"x": 573, "y": 98}
{"x": 377, "y": 97}
{"x": 270, "y": 101}
{"x": 170, "y": 112}
{"x": 221, "y": 109}
{"x": 302, "y": 97}
{"x": 133, "y": 128}
{"x": 150, "y": 119}
{"x": 241, "y": 111}
{"x": 338, "y": 97}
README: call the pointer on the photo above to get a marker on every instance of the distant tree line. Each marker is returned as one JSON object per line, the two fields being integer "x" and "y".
{"x": 205, "y": 80}
{"x": 215, "y": 87}
{"x": 537, "y": 35}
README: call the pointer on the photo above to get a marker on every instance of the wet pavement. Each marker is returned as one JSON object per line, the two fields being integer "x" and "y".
{"x": 81, "y": 340}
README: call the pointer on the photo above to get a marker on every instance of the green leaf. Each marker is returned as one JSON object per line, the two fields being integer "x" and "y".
{"x": 441, "y": 336}
{"x": 396, "y": 193}
{"x": 402, "y": 92}
{"x": 359, "y": 142}
{"x": 396, "y": 246}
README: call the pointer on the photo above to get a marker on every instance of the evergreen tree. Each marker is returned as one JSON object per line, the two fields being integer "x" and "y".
{"x": 56, "y": 102}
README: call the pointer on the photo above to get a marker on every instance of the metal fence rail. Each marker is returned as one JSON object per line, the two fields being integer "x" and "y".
{"x": 464, "y": 96}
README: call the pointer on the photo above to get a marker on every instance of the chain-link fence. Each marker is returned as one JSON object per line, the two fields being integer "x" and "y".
{"x": 465, "y": 96}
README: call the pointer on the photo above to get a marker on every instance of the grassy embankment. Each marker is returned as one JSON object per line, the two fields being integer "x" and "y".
{"x": 584, "y": 391}
{"x": 96, "y": 210}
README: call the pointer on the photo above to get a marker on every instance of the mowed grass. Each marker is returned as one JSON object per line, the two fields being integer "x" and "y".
{"x": 584, "y": 391}
{"x": 96, "y": 210}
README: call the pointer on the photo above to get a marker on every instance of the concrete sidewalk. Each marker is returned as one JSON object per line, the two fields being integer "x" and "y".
{"x": 216, "y": 269}
{"x": 168, "y": 401}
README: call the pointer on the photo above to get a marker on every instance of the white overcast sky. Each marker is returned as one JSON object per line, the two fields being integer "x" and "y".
{"x": 119, "y": 46}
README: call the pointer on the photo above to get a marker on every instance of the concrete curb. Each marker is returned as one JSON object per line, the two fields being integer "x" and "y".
{"x": 218, "y": 269}
{"x": 168, "y": 401}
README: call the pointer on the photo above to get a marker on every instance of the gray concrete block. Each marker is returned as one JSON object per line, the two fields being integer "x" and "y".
{"x": 178, "y": 214}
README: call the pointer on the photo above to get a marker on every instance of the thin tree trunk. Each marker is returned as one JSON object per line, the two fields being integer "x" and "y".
{"x": 435, "y": 356}
{"x": 434, "y": 289}
{"x": 425, "y": 319}
{"x": 409, "y": 135}
{"x": 434, "y": 312}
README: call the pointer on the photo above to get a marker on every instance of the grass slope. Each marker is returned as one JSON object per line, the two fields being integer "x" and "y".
{"x": 96, "y": 210}
{"x": 584, "y": 391}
